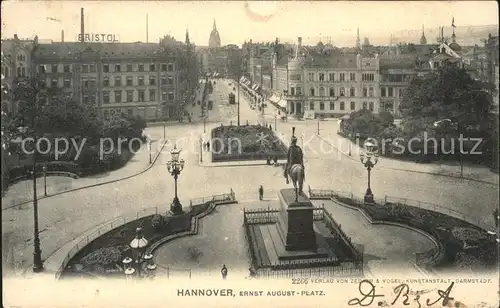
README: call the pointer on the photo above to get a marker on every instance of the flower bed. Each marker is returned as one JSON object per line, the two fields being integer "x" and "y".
{"x": 104, "y": 255}
{"x": 257, "y": 143}
{"x": 464, "y": 245}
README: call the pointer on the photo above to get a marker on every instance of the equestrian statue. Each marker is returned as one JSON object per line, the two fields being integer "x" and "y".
{"x": 294, "y": 167}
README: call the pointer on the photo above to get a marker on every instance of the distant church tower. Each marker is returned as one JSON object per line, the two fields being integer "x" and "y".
{"x": 187, "y": 38}
{"x": 358, "y": 41}
{"x": 214, "y": 41}
{"x": 423, "y": 40}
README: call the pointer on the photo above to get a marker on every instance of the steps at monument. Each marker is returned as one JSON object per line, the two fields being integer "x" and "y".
{"x": 258, "y": 241}
{"x": 272, "y": 241}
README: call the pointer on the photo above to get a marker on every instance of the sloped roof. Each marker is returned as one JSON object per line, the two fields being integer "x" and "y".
{"x": 115, "y": 50}
{"x": 399, "y": 61}
{"x": 337, "y": 61}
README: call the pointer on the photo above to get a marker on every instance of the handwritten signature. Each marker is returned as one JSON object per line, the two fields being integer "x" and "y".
{"x": 402, "y": 294}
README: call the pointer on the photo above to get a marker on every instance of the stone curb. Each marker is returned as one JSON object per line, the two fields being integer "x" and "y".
{"x": 390, "y": 223}
{"x": 417, "y": 171}
{"x": 97, "y": 184}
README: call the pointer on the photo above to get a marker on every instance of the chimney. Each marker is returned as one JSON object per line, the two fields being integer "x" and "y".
{"x": 82, "y": 26}
{"x": 16, "y": 37}
{"x": 62, "y": 36}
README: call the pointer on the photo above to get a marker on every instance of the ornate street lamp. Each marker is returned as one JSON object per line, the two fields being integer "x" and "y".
{"x": 175, "y": 167}
{"x": 143, "y": 266}
{"x": 369, "y": 160}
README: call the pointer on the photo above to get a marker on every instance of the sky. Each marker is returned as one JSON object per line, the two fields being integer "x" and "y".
{"x": 237, "y": 21}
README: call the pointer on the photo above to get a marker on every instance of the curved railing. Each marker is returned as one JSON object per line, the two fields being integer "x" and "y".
{"x": 389, "y": 200}
{"x": 105, "y": 228}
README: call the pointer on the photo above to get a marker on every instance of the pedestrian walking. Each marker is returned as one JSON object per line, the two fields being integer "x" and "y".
{"x": 261, "y": 193}
{"x": 223, "y": 271}
{"x": 275, "y": 159}
{"x": 208, "y": 146}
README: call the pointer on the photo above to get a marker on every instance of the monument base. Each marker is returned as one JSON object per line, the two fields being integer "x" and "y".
{"x": 296, "y": 222}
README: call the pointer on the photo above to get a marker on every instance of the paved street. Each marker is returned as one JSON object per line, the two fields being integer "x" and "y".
{"x": 66, "y": 216}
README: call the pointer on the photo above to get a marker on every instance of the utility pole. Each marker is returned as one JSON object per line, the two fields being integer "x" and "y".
{"x": 238, "y": 81}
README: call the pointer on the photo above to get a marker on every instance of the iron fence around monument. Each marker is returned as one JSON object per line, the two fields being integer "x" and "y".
{"x": 329, "y": 268}
{"x": 261, "y": 216}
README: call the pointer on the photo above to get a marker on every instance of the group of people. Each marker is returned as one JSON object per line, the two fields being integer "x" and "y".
{"x": 274, "y": 160}
{"x": 223, "y": 271}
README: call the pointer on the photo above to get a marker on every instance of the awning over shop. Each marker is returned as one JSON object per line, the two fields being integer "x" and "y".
{"x": 282, "y": 103}
{"x": 254, "y": 87}
{"x": 274, "y": 99}
{"x": 242, "y": 79}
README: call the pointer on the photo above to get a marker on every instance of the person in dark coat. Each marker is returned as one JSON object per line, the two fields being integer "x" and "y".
{"x": 261, "y": 192}
{"x": 208, "y": 146}
{"x": 223, "y": 271}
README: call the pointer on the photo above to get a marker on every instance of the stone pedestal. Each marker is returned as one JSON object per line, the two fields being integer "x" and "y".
{"x": 296, "y": 222}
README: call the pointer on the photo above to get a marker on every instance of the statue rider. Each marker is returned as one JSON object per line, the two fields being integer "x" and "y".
{"x": 294, "y": 156}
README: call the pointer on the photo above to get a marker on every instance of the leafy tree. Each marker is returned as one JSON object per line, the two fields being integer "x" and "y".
{"x": 449, "y": 93}
{"x": 365, "y": 123}
{"x": 386, "y": 119}
{"x": 48, "y": 111}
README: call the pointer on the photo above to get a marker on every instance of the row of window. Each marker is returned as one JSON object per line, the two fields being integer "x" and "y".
{"x": 367, "y": 92}
{"x": 366, "y": 105}
{"x": 54, "y": 68}
{"x": 106, "y": 68}
{"x": 54, "y": 83}
{"x": 139, "y": 81}
{"x": 342, "y": 77}
{"x": 390, "y": 92}
{"x": 130, "y": 97}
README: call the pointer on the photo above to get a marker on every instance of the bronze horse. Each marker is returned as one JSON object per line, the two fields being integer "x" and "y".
{"x": 297, "y": 175}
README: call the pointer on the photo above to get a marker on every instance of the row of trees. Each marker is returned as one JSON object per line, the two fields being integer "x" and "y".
{"x": 449, "y": 94}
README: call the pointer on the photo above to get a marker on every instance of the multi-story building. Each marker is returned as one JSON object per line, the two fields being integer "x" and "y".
{"x": 16, "y": 64}
{"x": 327, "y": 84}
{"x": 396, "y": 73}
{"x": 146, "y": 80}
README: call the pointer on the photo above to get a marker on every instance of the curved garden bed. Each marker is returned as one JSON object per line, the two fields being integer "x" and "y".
{"x": 103, "y": 256}
{"x": 463, "y": 246}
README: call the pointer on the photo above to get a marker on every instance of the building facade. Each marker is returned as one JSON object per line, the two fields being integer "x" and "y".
{"x": 153, "y": 81}
{"x": 327, "y": 84}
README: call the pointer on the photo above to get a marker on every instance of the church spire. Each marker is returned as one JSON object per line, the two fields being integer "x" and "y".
{"x": 358, "y": 41}
{"x": 423, "y": 39}
{"x": 187, "y": 37}
{"x": 214, "y": 26}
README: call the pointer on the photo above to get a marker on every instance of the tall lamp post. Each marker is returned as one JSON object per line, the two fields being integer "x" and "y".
{"x": 149, "y": 146}
{"x": 44, "y": 168}
{"x": 142, "y": 265}
{"x": 369, "y": 160}
{"x": 275, "y": 121}
{"x": 175, "y": 167}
